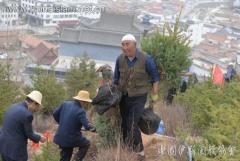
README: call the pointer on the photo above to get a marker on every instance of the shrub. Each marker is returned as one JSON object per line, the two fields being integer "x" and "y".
{"x": 170, "y": 51}
{"x": 48, "y": 152}
{"x": 214, "y": 113}
{"x": 108, "y": 129}
{"x": 8, "y": 92}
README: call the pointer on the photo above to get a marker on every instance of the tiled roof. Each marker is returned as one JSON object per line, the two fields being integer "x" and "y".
{"x": 216, "y": 37}
{"x": 34, "y": 42}
{"x": 117, "y": 22}
{"x": 70, "y": 22}
{"x": 211, "y": 49}
{"x": 94, "y": 36}
{"x": 108, "y": 31}
{"x": 8, "y": 33}
{"x": 70, "y": 35}
{"x": 42, "y": 55}
{"x": 230, "y": 54}
{"x": 212, "y": 26}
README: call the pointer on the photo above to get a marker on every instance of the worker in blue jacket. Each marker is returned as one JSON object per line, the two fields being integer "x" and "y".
{"x": 17, "y": 128}
{"x": 71, "y": 117}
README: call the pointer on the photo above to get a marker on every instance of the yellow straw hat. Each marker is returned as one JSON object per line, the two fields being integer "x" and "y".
{"x": 36, "y": 96}
{"x": 83, "y": 96}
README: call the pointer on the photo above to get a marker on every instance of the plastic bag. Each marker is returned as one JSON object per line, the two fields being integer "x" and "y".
{"x": 109, "y": 95}
{"x": 149, "y": 121}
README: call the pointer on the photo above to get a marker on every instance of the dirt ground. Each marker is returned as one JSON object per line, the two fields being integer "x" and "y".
{"x": 162, "y": 148}
{"x": 156, "y": 147}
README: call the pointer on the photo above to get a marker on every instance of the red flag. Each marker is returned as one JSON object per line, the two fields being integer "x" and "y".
{"x": 218, "y": 75}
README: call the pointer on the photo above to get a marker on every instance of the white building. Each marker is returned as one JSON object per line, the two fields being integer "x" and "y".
{"x": 211, "y": 28}
{"x": 193, "y": 28}
{"x": 236, "y": 3}
{"x": 213, "y": 1}
{"x": 8, "y": 17}
{"x": 51, "y": 12}
{"x": 157, "y": 18}
{"x": 158, "y": 1}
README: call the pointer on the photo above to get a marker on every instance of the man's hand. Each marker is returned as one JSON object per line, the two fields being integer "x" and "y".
{"x": 43, "y": 139}
{"x": 154, "y": 97}
{"x": 93, "y": 129}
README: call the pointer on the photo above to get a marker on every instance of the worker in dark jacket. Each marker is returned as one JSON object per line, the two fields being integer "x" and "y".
{"x": 107, "y": 73}
{"x": 71, "y": 117}
{"x": 17, "y": 128}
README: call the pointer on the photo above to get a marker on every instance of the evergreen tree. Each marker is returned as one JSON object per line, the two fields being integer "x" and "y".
{"x": 53, "y": 92}
{"x": 8, "y": 90}
{"x": 81, "y": 76}
{"x": 50, "y": 152}
{"x": 170, "y": 50}
{"x": 214, "y": 115}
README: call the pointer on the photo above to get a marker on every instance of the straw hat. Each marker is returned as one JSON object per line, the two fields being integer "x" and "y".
{"x": 36, "y": 96}
{"x": 97, "y": 67}
{"x": 83, "y": 96}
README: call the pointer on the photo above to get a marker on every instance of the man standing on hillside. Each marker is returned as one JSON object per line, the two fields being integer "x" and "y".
{"x": 17, "y": 128}
{"x": 132, "y": 71}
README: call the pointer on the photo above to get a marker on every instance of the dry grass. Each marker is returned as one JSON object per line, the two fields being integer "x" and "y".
{"x": 174, "y": 117}
{"x": 115, "y": 154}
{"x": 42, "y": 124}
{"x": 163, "y": 148}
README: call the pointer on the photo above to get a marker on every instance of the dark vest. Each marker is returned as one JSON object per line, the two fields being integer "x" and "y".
{"x": 133, "y": 80}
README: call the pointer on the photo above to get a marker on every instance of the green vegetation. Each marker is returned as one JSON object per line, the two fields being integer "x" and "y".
{"x": 212, "y": 112}
{"x": 81, "y": 76}
{"x": 170, "y": 51}
{"x": 50, "y": 152}
{"x": 53, "y": 92}
{"x": 8, "y": 92}
{"x": 108, "y": 130}
{"x": 214, "y": 115}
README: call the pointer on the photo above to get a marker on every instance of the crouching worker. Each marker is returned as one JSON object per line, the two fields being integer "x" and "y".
{"x": 71, "y": 117}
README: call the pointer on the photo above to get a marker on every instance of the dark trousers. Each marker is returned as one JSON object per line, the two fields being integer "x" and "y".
{"x": 173, "y": 91}
{"x": 66, "y": 153}
{"x": 131, "y": 109}
{"x": 170, "y": 94}
{"x": 183, "y": 87}
{"x": 4, "y": 158}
